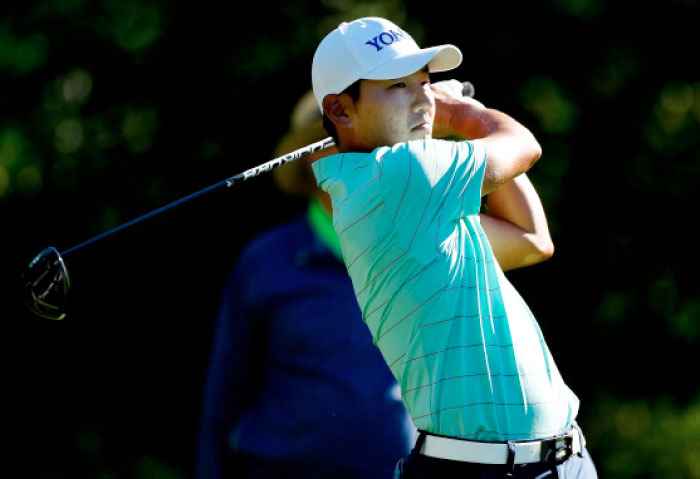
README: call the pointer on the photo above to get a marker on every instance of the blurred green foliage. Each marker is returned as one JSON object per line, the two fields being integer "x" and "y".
{"x": 548, "y": 101}
{"x": 650, "y": 437}
{"x": 114, "y": 107}
{"x": 20, "y": 55}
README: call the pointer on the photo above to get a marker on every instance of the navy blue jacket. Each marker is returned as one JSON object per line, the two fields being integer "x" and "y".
{"x": 294, "y": 378}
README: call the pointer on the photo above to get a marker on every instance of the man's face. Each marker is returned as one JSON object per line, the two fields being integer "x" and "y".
{"x": 392, "y": 111}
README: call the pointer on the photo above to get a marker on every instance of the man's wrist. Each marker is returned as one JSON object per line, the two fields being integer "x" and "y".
{"x": 461, "y": 118}
{"x": 451, "y": 103}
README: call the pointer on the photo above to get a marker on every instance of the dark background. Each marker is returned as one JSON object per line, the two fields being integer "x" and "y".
{"x": 110, "y": 109}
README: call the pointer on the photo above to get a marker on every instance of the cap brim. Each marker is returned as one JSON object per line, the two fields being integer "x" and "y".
{"x": 438, "y": 59}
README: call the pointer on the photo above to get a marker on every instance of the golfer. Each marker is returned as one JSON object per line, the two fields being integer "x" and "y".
{"x": 475, "y": 373}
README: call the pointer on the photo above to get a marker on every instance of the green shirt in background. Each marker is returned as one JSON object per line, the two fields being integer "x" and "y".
{"x": 322, "y": 226}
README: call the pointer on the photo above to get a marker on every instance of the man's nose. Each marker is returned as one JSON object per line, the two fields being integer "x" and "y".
{"x": 423, "y": 100}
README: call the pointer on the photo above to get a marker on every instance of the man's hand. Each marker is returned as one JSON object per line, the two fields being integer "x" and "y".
{"x": 449, "y": 95}
{"x": 511, "y": 148}
{"x": 461, "y": 89}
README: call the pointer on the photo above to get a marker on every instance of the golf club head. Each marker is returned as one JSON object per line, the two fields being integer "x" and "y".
{"x": 46, "y": 285}
{"x": 468, "y": 89}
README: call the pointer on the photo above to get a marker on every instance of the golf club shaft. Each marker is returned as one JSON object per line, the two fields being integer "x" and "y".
{"x": 467, "y": 89}
{"x": 227, "y": 183}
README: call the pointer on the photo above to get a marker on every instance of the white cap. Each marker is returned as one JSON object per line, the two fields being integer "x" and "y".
{"x": 372, "y": 48}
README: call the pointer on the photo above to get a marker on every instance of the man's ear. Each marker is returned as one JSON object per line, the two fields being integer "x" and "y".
{"x": 337, "y": 108}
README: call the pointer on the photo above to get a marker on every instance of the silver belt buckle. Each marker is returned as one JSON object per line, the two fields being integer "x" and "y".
{"x": 556, "y": 450}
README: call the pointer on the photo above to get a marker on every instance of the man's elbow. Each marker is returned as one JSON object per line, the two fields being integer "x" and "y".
{"x": 535, "y": 252}
{"x": 541, "y": 248}
{"x": 544, "y": 249}
{"x": 547, "y": 251}
{"x": 535, "y": 151}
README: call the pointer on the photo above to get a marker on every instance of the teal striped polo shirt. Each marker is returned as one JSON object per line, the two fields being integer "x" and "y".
{"x": 463, "y": 345}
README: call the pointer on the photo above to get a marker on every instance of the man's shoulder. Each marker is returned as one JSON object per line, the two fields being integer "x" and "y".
{"x": 429, "y": 153}
{"x": 340, "y": 161}
{"x": 440, "y": 145}
{"x": 331, "y": 165}
{"x": 428, "y": 148}
{"x": 423, "y": 151}
{"x": 265, "y": 263}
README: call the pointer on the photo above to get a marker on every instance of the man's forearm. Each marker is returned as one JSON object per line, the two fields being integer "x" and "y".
{"x": 511, "y": 148}
{"x": 516, "y": 225}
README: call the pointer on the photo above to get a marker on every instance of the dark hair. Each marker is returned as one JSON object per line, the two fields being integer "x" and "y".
{"x": 354, "y": 92}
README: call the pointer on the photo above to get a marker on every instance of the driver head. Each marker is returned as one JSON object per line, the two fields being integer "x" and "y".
{"x": 46, "y": 284}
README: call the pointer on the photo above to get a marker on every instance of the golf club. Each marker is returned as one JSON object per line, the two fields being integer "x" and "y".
{"x": 46, "y": 280}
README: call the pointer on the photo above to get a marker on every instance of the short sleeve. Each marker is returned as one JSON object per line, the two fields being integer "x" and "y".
{"x": 472, "y": 166}
{"x": 437, "y": 178}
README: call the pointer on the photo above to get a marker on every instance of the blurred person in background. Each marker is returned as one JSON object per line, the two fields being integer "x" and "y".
{"x": 295, "y": 387}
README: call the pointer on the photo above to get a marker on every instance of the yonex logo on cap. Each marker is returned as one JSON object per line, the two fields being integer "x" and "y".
{"x": 387, "y": 38}
{"x": 372, "y": 48}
